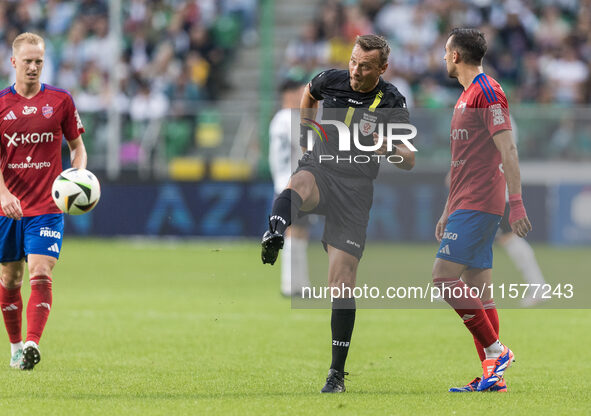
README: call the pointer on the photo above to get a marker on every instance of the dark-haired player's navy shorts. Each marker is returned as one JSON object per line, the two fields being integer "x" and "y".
{"x": 468, "y": 238}
{"x": 41, "y": 234}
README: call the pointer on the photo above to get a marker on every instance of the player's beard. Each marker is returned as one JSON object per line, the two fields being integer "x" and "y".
{"x": 356, "y": 84}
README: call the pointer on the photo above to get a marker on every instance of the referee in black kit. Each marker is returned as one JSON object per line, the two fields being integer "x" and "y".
{"x": 339, "y": 183}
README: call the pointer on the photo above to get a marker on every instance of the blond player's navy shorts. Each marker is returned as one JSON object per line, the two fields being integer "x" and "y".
{"x": 41, "y": 234}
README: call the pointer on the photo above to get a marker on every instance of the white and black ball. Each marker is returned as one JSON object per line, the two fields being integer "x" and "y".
{"x": 76, "y": 191}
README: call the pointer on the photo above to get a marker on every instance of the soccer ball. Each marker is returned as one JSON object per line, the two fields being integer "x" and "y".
{"x": 76, "y": 191}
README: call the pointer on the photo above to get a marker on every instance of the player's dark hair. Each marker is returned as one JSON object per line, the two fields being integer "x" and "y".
{"x": 373, "y": 42}
{"x": 470, "y": 43}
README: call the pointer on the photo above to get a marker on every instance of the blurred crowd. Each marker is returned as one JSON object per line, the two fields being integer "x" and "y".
{"x": 177, "y": 53}
{"x": 174, "y": 51}
{"x": 539, "y": 50}
{"x": 174, "y": 55}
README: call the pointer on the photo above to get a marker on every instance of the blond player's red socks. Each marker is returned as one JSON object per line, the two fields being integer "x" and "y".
{"x": 491, "y": 312}
{"x": 457, "y": 294}
{"x": 11, "y": 303}
{"x": 38, "y": 307}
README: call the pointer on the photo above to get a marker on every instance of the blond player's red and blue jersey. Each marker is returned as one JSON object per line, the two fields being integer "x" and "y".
{"x": 477, "y": 181}
{"x": 31, "y": 131}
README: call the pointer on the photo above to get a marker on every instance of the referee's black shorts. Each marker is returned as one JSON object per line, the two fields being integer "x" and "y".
{"x": 345, "y": 201}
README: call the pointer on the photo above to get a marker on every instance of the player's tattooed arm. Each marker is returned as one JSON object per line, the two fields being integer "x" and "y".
{"x": 504, "y": 142}
{"x": 78, "y": 154}
{"x": 308, "y": 110}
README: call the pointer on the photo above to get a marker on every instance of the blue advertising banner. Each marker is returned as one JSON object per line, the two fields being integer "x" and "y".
{"x": 400, "y": 212}
{"x": 570, "y": 214}
{"x": 175, "y": 209}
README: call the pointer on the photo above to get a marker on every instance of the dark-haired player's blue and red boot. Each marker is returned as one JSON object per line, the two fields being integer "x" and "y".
{"x": 500, "y": 387}
{"x": 494, "y": 369}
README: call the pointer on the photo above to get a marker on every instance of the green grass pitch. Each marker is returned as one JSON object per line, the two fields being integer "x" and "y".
{"x": 199, "y": 328}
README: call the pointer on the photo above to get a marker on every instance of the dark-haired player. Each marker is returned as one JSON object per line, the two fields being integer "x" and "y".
{"x": 33, "y": 119}
{"x": 484, "y": 159}
{"x": 328, "y": 183}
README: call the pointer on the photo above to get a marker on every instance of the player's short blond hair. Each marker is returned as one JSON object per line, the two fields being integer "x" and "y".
{"x": 26, "y": 37}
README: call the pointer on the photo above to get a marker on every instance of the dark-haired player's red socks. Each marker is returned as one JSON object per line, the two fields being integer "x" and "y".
{"x": 12, "y": 310}
{"x": 491, "y": 312}
{"x": 38, "y": 307}
{"x": 456, "y": 293}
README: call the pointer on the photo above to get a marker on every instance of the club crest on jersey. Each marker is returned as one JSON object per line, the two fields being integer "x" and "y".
{"x": 47, "y": 111}
{"x": 29, "y": 110}
{"x": 367, "y": 125}
{"x": 461, "y": 106}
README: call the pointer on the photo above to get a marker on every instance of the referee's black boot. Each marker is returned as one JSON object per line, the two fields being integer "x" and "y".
{"x": 271, "y": 244}
{"x": 335, "y": 382}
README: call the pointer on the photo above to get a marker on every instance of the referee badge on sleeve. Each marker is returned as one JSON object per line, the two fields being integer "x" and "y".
{"x": 367, "y": 125}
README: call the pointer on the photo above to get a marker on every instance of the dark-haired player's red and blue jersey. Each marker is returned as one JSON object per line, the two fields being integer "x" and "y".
{"x": 477, "y": 181}
{"x": 31, "y": 131}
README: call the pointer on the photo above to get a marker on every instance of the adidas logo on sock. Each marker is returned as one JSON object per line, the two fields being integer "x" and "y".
{"x": 10, "y": 308}
{"x": 10, "y": 116}
{"x": 445, "y": 249}
{"x": 54, "y": 247}
{"x": 44, "y": 305}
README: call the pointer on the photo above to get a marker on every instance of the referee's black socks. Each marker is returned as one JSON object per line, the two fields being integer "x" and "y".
{"x": 285, "y": 207}
{"x": 341, "y": 324}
